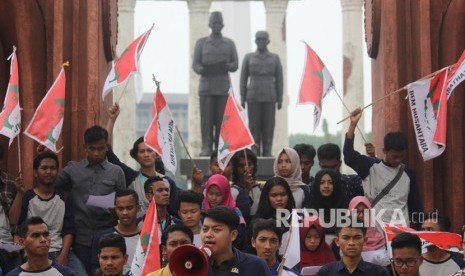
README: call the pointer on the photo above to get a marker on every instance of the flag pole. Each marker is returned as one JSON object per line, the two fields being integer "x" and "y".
{"x": 393, "y": 269}
{"x": 185, "y": 147}
{"x": 378, "y": 100}
{"x": 143, "y": 46}
{"x": 19, "y": 156}
{"x": 347, "y": 108}
{"x": 157, "y": 83}
{"x": 246, "y": 161}
{"x": 138, "y": 56}
{"x": 283, "y": 259}
{"x": 124, "y": 89}
{"x": 19, "y": 141}
{"x": 396, "y": 91}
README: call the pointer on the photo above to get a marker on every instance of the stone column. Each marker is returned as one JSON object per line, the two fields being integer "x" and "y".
{"x": 353, "y": 66}
{"x": 276, "y": 27}
{"x": 198, "y": 27}
{"x": 124, "y": 132}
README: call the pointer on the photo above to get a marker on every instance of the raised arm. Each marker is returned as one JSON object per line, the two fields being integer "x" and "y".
{"x": 197, "y": 179}
{"x": 354, "y": 118}
{"x": 15, "y": 209}
{"x": 358, "y": 162}
{"x": 129, "y": 173}
{"x": 113, "y": 113}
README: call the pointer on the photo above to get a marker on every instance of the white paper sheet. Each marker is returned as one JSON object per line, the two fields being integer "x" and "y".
{"x": 310, "y": 270}
{"x": 10, "y": 246}
{"x": 105, "y": 201}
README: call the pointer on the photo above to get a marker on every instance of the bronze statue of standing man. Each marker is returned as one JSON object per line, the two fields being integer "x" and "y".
{"x": 214, "y": 57}
{"x": 262, "y": 89}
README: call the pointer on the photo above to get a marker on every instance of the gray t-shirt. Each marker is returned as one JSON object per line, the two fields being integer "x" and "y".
{"x": 57, "y": 214}
{"x": 5, "y": 234}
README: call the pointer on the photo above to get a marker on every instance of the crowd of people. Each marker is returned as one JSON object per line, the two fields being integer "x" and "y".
{"x": 229, "y": 212}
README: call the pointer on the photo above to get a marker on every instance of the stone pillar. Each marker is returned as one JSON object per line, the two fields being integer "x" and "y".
{"x": 198, "y": 27}
{"x": 276, "y": 27}
{"x": 124, "y": 132}
{"x": 353, "y": 66}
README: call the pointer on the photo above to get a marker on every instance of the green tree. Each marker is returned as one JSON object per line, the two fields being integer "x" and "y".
{"x": 325, "y": 128}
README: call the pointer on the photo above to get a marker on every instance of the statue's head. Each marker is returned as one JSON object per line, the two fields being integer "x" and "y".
{"x": 216, "y": 22}
{"x": 262, "y": 39}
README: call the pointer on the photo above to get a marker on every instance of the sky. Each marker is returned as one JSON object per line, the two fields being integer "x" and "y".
{"x": 318, "y": 22}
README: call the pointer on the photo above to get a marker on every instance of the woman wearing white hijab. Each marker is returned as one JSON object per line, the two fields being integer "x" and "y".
{"x": 287, "y": 166}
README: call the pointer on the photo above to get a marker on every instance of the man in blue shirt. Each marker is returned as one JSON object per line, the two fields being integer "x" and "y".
{"x": 266, "y": 240}
{"x": 351, "y": 240}
{"x": 219, "y": 230}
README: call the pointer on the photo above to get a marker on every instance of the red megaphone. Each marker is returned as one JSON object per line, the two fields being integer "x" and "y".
{"x": 189, "y": 260}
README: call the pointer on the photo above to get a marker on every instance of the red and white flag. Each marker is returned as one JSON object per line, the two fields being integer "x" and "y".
{"x": 315, "y": 85}
{"x": 447, "y": 241}
{"x": 45, "y": 126}
{"x": 126, "y": 64}
{"x": 147, "y": 255}
{"x": 10, "y": 117}
{"x": 160, "y": 134}
{"x": 234, "y": 134}
{"x": 242, "y": 111}
{"x": 428, "y": 103}
{"x": 456, "y": 75}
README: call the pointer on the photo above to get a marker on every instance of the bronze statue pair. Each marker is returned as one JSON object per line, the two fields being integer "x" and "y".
{"x": 261, "y": 85}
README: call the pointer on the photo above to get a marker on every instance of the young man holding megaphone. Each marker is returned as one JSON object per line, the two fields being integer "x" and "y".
{"x": 217, "y": 256}
{"x": 219, "y": 230}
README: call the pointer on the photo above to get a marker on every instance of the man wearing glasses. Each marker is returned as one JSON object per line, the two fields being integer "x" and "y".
{"x": 406, "y": 252}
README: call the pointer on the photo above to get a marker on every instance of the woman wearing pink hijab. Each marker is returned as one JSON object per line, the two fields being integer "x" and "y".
{"x": 374, "y": 250}
{"x": 218, "y": 193}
